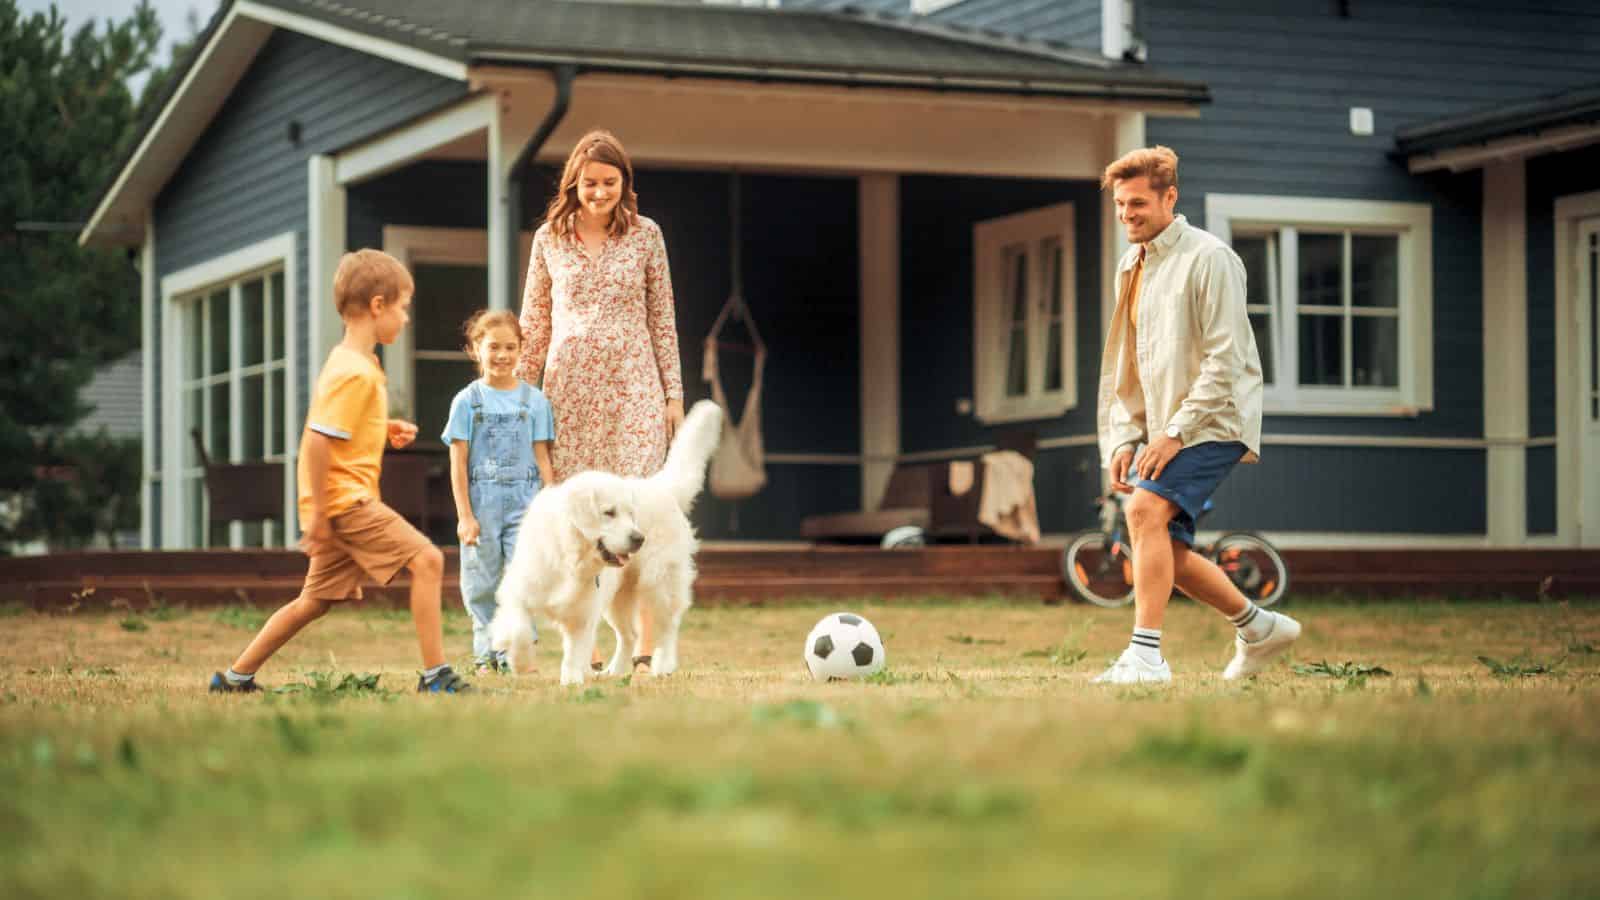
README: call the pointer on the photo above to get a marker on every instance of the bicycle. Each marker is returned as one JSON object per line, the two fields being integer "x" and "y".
{"x": 1098, "y": 565}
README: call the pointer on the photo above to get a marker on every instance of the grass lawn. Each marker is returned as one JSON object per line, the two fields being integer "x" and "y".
{"x": 983, "y": 764}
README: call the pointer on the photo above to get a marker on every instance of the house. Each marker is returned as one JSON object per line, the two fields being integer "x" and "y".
{"x": 921, "y": 233}
{"x": 1448, "y": 148}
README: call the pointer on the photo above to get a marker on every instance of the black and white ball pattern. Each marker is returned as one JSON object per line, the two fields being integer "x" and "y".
{"x": 843, "y": 645}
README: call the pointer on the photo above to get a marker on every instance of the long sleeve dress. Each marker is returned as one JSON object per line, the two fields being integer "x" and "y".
{"x": 603, "y": 335}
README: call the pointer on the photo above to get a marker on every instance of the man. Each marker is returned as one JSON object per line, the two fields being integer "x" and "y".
{"x": 1182, "y": 376}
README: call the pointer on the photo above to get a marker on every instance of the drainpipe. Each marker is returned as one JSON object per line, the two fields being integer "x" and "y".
{"x": 564, "y": 75}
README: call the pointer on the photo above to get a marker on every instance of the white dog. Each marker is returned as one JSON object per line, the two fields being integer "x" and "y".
{"x": 599, "y": 545}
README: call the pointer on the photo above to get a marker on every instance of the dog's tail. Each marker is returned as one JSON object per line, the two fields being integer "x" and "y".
{"x": 511, "y": 633}
{"x": 684, "y": 473}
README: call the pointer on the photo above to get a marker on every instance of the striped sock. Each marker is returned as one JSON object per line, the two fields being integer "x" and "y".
{"x": 1254, "y": 623}
{"x": 429, "y": 675}
{"x": 235, "y": 679}
{"x": 1146, "y": 644}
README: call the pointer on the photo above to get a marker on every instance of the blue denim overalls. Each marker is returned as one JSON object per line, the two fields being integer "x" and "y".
{"x": 502, "y": 479}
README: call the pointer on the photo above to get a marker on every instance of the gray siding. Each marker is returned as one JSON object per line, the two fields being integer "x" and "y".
{"x": 117, "y": 397}
{"x": 1075, "y": 23}
{"x": 245, "y": 181}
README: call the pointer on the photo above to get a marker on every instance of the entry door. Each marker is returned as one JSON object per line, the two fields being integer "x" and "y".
{"x": 1588, "y": 309}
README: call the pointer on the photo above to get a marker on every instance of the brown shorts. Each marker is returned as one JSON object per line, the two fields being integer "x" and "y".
{"x": 370, "y": 540}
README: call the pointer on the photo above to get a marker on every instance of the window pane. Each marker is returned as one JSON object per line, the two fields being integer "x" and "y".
{"x": 445, "y": 296}
{"x": 1016, "y": 258}
{"x": 252, "y": 393}
{"x": 1376, "y": 351}
{"x": 278, "y": 306}
{"x": 1257, "y": 269}
{"x": 1321, "y": 268}
{"x": 192, "y": 414}
{"x": 275, "y": 436}
{"x": 193, "y": 340}
{"x": 218, "y": 306}
{"x": 1260, "y": 323}
{"x": 253, "y": 312}
{"x": 1321, "y": 356}
{"x": 437, "y": 383}
{"x": 219, "y": 535}
{"x": 1051, "y": 257}
{"x": 1052, "y": 357}
{"x": 1017, "y": 363}
{"x": 1375, "y": 270}
{"x": 218, "y": 445}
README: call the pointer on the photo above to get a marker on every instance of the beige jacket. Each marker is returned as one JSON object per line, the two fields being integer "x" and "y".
{"x": 1195, "y": 364}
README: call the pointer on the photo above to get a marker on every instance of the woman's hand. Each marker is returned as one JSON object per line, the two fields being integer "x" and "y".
{"x": 401, "y": 433}
{"x": 467, "y": 530}
{"x": 674, "y": 416}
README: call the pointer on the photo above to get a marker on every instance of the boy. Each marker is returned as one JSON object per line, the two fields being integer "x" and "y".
{"x": 349, "y": 532}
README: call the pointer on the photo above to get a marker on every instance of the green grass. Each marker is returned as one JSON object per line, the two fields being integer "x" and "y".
{"x": 972, "y": 767}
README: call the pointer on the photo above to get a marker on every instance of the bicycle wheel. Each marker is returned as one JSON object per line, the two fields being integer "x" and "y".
{"x": 1098, "y": 570}
{"x": 1254, "y": 566}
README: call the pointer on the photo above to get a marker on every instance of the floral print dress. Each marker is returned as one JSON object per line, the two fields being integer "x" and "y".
{"x": 602, "y": 333}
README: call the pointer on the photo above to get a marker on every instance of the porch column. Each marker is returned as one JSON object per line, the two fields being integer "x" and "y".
{"x": 879, "y": 224}
{"x": 147, "y": 374}
{"x": 325, "y": 244}
{"x": 1505, "y": 350}
{"x": 517, "y": 109}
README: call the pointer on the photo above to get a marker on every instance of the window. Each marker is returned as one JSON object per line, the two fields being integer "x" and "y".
{"x": 1024, "y": 303}
{"x": 426, "y": 365}
{"x": 232, "y": 387}
{"x": 1340, "y": 300}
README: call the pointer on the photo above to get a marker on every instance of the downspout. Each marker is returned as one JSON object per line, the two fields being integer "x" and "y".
{"x": 565, "y": 73}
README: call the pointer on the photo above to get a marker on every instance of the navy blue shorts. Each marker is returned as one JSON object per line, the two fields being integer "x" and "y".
{"x": 1190, "y": 479}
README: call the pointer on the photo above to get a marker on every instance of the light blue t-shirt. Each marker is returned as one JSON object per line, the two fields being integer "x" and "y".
{"x": 495, "y": 401}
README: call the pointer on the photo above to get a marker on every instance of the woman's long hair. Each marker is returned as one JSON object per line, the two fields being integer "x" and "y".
{"x": 601, "y": 147}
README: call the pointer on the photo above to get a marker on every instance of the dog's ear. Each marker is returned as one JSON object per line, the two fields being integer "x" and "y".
{"x": 583, "y": 504}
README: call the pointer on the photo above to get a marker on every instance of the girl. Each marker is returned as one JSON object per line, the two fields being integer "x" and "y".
{"x": 499, "y": 435}
{"x": 599, "y": 326}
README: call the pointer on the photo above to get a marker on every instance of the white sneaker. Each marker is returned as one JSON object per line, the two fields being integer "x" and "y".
{"x": 1130, "y": 669}
{"x": 1251, "y": 657}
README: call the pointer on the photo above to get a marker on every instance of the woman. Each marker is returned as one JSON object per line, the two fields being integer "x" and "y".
{"x": 598, "y": 326}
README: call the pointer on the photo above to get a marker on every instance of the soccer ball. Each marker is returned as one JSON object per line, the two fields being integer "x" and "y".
{"x": 843, "y": 645}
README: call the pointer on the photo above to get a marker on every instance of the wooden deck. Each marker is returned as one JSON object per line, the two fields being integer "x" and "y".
{"x": 731, "y": 573}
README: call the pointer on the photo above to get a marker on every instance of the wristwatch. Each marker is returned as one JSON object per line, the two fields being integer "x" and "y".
{"x": 1173, "y": 431}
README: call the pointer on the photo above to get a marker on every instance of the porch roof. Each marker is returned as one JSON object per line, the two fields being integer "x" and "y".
{"x": 704, "y": 40}
{"x": 1515, "y": 130}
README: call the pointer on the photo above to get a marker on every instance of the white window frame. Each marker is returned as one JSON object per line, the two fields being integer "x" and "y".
{"x": 929, "y": 7}
{"x": 443, "y": 246}
{"x": 1412, "y": 223}
{"x": 991, "y": 325}
{"x": 257, "y": 260}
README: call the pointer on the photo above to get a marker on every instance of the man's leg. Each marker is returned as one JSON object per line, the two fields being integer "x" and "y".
{"x": 1201, "y": 579}
{"x": 1148, "y": 517}
{"x": 1259, "y": 634}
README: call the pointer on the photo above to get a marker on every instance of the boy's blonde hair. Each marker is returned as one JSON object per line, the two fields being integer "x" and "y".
{"x": 365, "y": 274}
{"x": 479, "y": 324}
{"x": 1158, "y": 162}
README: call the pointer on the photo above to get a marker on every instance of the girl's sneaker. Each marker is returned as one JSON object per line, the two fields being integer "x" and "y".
{"x": 221, "y": 685}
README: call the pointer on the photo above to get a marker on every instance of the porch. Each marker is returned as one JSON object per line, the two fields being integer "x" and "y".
{"x": 756, "y": 573}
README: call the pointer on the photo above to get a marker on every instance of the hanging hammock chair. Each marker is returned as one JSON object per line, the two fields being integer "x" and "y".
{"x": 739, "y": 467}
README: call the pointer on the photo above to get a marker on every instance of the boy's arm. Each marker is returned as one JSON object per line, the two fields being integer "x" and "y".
{"x": 541, "y": 455}
{"x": 466, "y": 523}
{"x": 314, "y": 445}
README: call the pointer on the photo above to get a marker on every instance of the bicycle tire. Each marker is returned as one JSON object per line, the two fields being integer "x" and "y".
{"x": 1078, "y": 575}
{"x": 1273, "y": 584}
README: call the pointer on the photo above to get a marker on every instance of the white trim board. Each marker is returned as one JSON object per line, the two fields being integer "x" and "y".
{"x": 1568, "y": 211}
{"x": 1507, "y": 149}
{"x": 407, "y": 143}
{"x": 147, "y": 383}
{"x": 1414, "y": 221}
{"x": 344, "y": 37}
{"x": 260, "y": 255}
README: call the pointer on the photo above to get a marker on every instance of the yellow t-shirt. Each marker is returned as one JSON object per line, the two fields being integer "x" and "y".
{"x": 351, "y": 407}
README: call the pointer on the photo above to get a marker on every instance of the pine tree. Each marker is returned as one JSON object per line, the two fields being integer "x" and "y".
{"x": 67, "y": 118}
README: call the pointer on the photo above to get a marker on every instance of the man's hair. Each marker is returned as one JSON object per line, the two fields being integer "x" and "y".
{"x": 1158, "y": 162}
{"x": 365, "y": 274}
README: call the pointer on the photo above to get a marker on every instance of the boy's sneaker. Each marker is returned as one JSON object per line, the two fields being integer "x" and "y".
{"x": 1250, "y": 657}
{"x": 221, "y": 685}
{"x": 446, "y": 682}
{"x": 1130, "y": 669}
